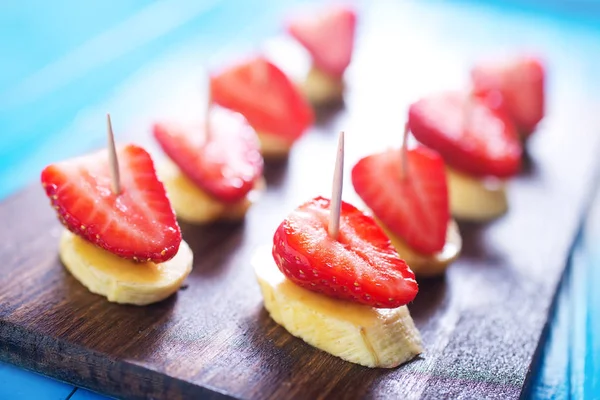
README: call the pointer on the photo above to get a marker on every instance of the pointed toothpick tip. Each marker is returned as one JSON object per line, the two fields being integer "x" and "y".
{"x": 112, "y": 158}
{"x": 468, "y": 110}
{"x": 207, "y": 126}
{"x": 336, "y": 191}
{"x": 403, "y": 156}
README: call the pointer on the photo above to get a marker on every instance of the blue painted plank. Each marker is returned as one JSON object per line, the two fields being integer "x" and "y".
{"x": 51, "y": 28}
{"x": 575, "y": 12}
{"x": 577, "y": 321}
{"x": 19, "y": 384}
{"x": 591, "y": 334}
{"x": 571, "y": 362}
{"x": 550, "y": 381}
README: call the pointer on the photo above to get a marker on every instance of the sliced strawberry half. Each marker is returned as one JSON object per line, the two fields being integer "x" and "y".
{"x": 226, "y": 166}
{"x": 519, "y": 82}
{"x": 263, "y": 94}
{"x": 328, "y": 36}
{"x": 138, "y": 223}
{"x": 360, "y": 266}
{"x": 413, "y": 206}
{"x": 468, "y": 134}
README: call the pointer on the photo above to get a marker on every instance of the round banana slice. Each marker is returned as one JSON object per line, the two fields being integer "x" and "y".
{"x": 473, "y": 199}
{"x": 321, "y": 89}
{"x": 272, "y": 147}
{"x": 193, "y": 205}
{"x": 373, "y": 337}
{"x": 425, "y": 266}
{"x": 120, "y": 280}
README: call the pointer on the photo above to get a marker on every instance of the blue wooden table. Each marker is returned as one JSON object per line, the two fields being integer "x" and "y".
{"x": 63, "y": 63}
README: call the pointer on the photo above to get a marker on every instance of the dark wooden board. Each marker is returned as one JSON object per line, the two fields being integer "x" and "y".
{"x": 481, "y": 324}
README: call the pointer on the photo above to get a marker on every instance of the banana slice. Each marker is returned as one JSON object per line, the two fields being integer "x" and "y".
{"x": 192, "y": 204}
{"x": 357, "y": 333}
{"x": 474, "y": 199}
{"x": 272, "y": 147}
{"x": 120, "y": 280}
{"x": 426, "y": 266}
{"x": 321, "y": 89}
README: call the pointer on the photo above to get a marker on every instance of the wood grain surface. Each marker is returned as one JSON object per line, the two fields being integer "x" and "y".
{"x": 481, "y": 324}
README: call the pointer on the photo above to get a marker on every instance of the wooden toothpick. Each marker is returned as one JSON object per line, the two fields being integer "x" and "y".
{"x": 112, "y": 158}
{"x": 207, "y": 126}
{"x": 336, "y": 191}
{"x": 468, "y": 111}
{"x": 404, "y": 172}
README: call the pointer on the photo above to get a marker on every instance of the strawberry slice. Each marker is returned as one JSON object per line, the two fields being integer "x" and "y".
{"x": 520, "y": 84}
{"x": 328, "y": 36}
{"x": 226, "y": 166}
{"x": 138, "y": 223}
{"x": 360, "y": 266}
{"x": 471, "y": 137}
{"x": 414, "y": 207}
{"x": 263, "y": 94}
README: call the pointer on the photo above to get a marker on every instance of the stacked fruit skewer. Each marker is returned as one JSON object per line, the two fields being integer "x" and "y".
{"x": 337, "y": 277}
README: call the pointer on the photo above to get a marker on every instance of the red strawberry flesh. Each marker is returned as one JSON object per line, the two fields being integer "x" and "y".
{"x": 413, "y": 206}
{"x": 328, "y": 36}
{"x": 263, "y": 94}
{"x": 137, "y": 224}
{"x": 471, "y": 137}
{"x": 519, "y": 82}
{"x": 226, "y": 166}
{"x": 360, "y": 266}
